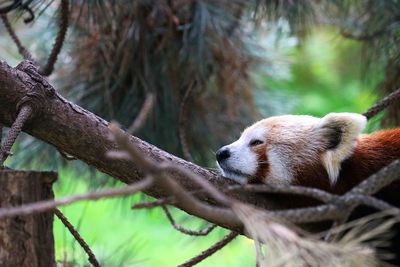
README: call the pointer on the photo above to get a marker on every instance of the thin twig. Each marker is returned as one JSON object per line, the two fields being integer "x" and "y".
{"x": 14, "y": 5}
{"x": 382, "y": 104}
{"x": 143, "y": 114}
{"x": 205, "y": 231}
{"x": 63, "y": 27}
{"x": 30, "y": 11}
{"x": 153, "y": 203}
{"x": 211, "y": 250}
{"x": 46, "y": 205}
{"x": 182, "y": 124}
{"x": 13, "y": 133}
{"x": 21, "y": 49}
{"x": 77, "y": 236}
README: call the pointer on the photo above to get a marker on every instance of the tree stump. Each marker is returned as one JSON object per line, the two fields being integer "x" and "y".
{"x": 26, "y": 240}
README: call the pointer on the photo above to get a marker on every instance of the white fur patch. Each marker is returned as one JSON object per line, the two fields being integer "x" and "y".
{"x": 278, "y": 166}
{"x": 242, "y": 162}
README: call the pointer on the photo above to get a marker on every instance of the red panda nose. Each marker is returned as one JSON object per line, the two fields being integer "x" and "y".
{"x": 222, "y": 154}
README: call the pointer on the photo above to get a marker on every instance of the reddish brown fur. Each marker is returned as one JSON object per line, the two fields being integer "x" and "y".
{"x": 263, "y": 166}
{"x": 373, "y": 152}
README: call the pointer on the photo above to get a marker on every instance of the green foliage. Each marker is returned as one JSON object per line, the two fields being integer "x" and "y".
{"x": 326, "y": 76}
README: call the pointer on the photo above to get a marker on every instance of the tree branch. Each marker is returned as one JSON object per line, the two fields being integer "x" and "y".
{"x": 62, "y": 32}
{"x": 205, "y": 231}
{"x": 80, "y": 133}
{"x": 85, "y": 136}
{"x": 21, "y": 49}
{"x": 92, "y": 258}
{"x": 46, "y": 205}
{"x": 211, "y": 250}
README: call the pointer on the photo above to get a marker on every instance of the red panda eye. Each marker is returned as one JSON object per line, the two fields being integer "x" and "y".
{"x": 256, "y": 142}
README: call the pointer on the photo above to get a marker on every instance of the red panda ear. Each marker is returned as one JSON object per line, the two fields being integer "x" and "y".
{"x": 340, "y": 130}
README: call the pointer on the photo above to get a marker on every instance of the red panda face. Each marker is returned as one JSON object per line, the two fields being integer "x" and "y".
{"x": 278, "y": 149}
{"x": 240, "y": 160}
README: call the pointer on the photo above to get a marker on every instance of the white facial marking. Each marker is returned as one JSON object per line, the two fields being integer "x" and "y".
{"x": 243, "y": 162}
{"x": 279, "y": 173}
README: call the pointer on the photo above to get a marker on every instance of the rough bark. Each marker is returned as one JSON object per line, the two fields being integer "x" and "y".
{"x": 26, "y": 241}
{"x": 84, "y": 135}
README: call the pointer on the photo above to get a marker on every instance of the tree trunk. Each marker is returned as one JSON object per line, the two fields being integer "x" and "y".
{"x": 26, "y": 240}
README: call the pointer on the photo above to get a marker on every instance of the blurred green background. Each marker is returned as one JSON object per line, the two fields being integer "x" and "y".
{"x": 122, "y": 237}
{"x": 315, "y": 74}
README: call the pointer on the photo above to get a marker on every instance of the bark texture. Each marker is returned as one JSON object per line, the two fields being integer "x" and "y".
{"x": 84, "y": 135}
{"x": 26, "y": 241}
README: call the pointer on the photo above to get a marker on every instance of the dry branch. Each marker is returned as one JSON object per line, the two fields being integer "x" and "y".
{"x": 21, "y": 49}
{"x": 63, "y": 27}
{"x": 143, "y": 114}
{"x": 205, "y": 231}
{"x": 80, "y": 133}
{"x": 5, "y": 148}
{"x": 382, "y": 104}
{"x": 77, "y": 236}
{"x": 51, "y": 204}
{"x": 211, "y": 250}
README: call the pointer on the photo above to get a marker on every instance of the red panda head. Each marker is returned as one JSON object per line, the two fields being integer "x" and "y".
{"x": 279, "y": 150}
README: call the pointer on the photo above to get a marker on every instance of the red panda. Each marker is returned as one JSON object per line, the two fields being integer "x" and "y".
{"x": 328, "y": 153}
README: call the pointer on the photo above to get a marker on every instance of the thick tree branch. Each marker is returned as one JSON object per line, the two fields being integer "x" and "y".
{"x": 85, "y": 136}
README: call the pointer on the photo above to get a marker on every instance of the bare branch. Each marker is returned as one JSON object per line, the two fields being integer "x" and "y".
{"x": 382, "y": 104}
{"x": 21, "y": 49}
{"x": 14, "y": 5}
{"x": 205, "y": 231}
{"x": 88, "y": 139}
{"x": 143, "y": 114}
{"x": 46, "y": 205}
{"x": 63, "y": 27}
{"x": 153, "y": 204}
{"x": 175, "y": 176}
{"x": 77, "y": 236}
{"x": 208, "y": 252}
{"x": 13, "y": 133}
